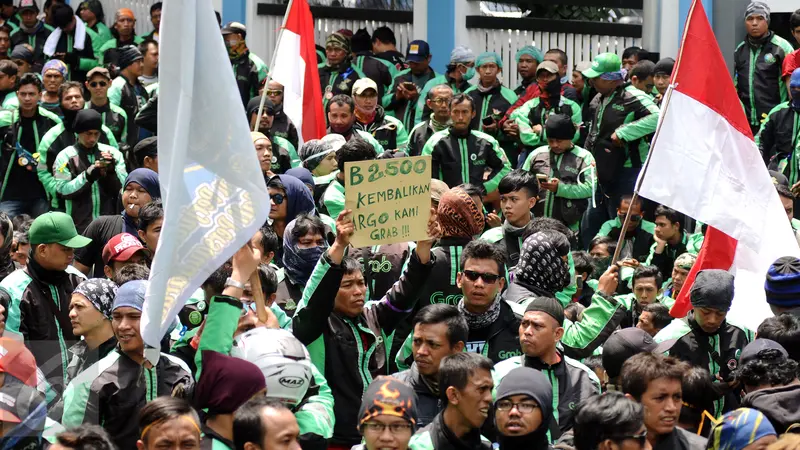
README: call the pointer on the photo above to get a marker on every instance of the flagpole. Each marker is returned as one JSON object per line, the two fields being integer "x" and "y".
{"x": 272, "y": 66}
{"x": 655, "y": 136}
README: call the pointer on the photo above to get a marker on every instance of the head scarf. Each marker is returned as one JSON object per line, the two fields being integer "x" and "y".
{"x": 685, "y": 261}
{"x": 57, "y": 65}
{"x": 458, "y": 214}
{"x": 100, "y": 292}
{"x": 712, "y": 288}
{"x": 6, "y": 263}
{"x": 462, "y": 55}
{"x": 388, "y": 396}
{"x": 297, "y": 195}
{"x": 757, "y": 8}
{"x": 488, "y": 57}
{"x": 299, "y": 262}
{"x": 257, "y": 135}
{"x": 338, "y": 40}
{"x": 534, "y": 53}
{"x": 533, "y": 383}
{"x": 738, "y": 429}
{"x": 226, "y": 383}
{"x": 541, "y": 267}
{"x": 302, "y": 174}
{"x": 148, "y": 179}
{"x": 131, "y": 295}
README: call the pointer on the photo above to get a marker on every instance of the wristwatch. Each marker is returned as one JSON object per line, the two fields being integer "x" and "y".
{"x": 233, "y": 283}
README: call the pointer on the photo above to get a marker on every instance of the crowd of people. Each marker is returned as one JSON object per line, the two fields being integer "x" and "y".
{"x": 510, "y": 326}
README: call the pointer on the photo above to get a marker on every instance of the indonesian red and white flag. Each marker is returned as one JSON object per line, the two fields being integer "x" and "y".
{"x": 296, "y": 69}
{"x": 704, "y": 163}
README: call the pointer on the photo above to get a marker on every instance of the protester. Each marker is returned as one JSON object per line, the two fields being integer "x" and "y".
{"x": 263, "y": 423}
{"x": 758, "y": 78}
{"x": 449, "y": 161}
{"x": 646, "y": 286}
{"x": 528, "y": 59}
{"x": 540, "y": 330}
{"x": 654, "y": 381}
{"x": 127, "y": 91}
{"x": 98, "y": 82}
{"x": 47, "y": 280}
{"x": 319, "y": 156}
{"x": 706, "y": 339}
{"x": 22, "y": 192}
{"x": 566, "y": 172}
{"x": 332, "y": 200}
{"x": 661, "y": 76}
{"x": 559, "y": 57}
{"x": 70, "y": 42}
{"x": 288, "y": 199}
{"x": 618, "y": 135}
{"x": 680, "y": 271}
{"x": 92, "y": 14}
{"x": 85, "y": 436}
{"x": 654, "y": 318}
{"x": 338, "y": 285}
{"x": 284, "y": 152}
{"x": 22, "y": 406}
{"x": 438, "y": 101}
{"x": 519, "y": 192}
{"x": 783, "y": 329}
{"x": 155, "y": 19}
{"x": 123, "y": 250}
{"x": 248, "y": 68}
{"x": 638, "y": 234}
{"x": 371, "y": 118}
{"x": 523, "y": 410}
{"x": 742, "y": 429}
{"x": 409, "y": 90}
{"x": 89, "y": 175}
{"x": 388, "y": 404}
{"x": 8, "y": 83}
{"x": 610, "y": 421}
{"x": 384, "y": 46}
{"x": 90, "y": 315}
{"x": 149, "y": 76}
{"x": 145, "y": 153}
{"x": 697, "y": 390}
{"x": 769, "y": 380}
{"x": 438, "y": 331}
{"x": 118, "y": 386}
{"x": 124, "y": 35}
{"x": 621, "y": 346}
{"x": 465, "y": 383}
{"x": 380, "y": 71}
{"x": 22, "y": 56}
{"x": 282, "y": 125}
{"x": 670, "y": 239}
{"x": 33, "y": 32}
{"x": 167, "y": 422}
{"x": 489, "y": 92}
{"x": 641, "y": 77}
{"x": 337, "y": 75}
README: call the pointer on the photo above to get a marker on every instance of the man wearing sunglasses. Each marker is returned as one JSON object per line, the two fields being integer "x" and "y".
{"x": 638, "y": 234}
{"x": 284, "y": 153}
{"x": 654, "y": 380}
{"x": 282, "y": 125}
{"x": 98, "y": 80}
{"x": 438, "y": 100}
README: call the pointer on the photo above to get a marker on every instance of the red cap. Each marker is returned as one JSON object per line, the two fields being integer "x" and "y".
{"x": 121, "y": 247}
{"x": 18, "y": 361}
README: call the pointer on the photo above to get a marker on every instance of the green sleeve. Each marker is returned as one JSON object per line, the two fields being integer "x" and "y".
{"x": 67, "y": 186}
{"x": 646, "y": 124}
{"x": 316, "y": 416}
{"x": 599, "y": 321}
{"x": 101, "y": 54}
{"x": 586, "y": 179}
{"x": 509, "y": 95}
{"x": 87, "y": 64}
{"x": 649, "y": 260}
{"x": 45, "y": 176}
{"x": 404, "y": 353}
{"x": 499, "y": 163}
{"x": 608, "y": 225}
{"x": 121, "y": 112}
{"x": 119, "y": 167}
{"x": 333, "y": 201}
{"x": 577, "y": 119}
{"x": 565, "y": 295}
{"x": 520, "y": 116}
{"x": 80, "y": 403}
{"x": 112, "y": 141}
{"x": 402, "y": 137}
{"x": 115, "y": 93}
{"x": 221, "y": 322}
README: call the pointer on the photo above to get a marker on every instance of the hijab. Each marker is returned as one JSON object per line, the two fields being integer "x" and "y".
{"x": 298, "y": 198}
{"x": 226, "y": 383}
{"x": 458, "y": 214}
{"x": 299, "y": 262}
{"x": 148, "y": 179}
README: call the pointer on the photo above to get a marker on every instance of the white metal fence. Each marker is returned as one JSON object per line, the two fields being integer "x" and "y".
{"x": 263, "y": 30}
{"x": 140, "y": 8}
{"x": 579, "y": 47}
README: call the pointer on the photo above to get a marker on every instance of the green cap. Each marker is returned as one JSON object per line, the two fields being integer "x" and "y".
{"x": 603, "y": 63}
{"x": 56, "y": 228}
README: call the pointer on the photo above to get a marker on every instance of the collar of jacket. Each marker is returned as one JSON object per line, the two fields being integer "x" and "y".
{"x": 696, "y": 329}
{"x": 460, "y": 134}
{"x": 208, "y": 433}
{"x": 39, "y": 273}
{"x": 758, "y": 42}
{"x": 538, "y": 364}
{"x": 470, "y": 440}
{"x": 376, "y": 122}
{"x": 453, "y": 241}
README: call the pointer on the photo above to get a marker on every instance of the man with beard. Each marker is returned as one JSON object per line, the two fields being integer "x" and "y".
{"x": 706, "y": 339}
{"x": 655, "y": 381}
{"x": 62, "y": 136}
{"x": 371, "y": 118}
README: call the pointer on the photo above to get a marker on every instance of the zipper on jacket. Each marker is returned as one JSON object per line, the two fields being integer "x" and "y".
{"x": 453, "y": 268}
{"x": 462, "y": 146}
{"x": 753, "y": 60}
{"x": 484, "y": 110}
{"x": 151, "y": 382}
{"x": 62, "y": 346}
{"x": 96, "y": 192}
{"x": 361, "y": 361}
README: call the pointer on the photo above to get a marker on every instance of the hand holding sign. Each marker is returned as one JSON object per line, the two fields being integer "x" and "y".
{"x": 390, "y": 200}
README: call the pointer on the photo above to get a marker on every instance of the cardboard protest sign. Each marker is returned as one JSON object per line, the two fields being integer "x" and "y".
{"x": 390, "y": 199}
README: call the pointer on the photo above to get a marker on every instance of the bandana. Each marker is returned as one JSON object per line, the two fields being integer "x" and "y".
{"x": 338, "y": 40}
{"x": 458, "y": 214}
{"x": 299, "y": 262}
{"x": 55, "y": 64}
{"x": 713, "y": 288}
{"x": 388, "y": 396}
{"x": 738, "y": 429}
{"x": 615, "y": 76}
{"x": 757, "y": 9}
{"x": 480, "y": 321}
{"x": 100, "y": 292}
{"x": 540, "y": 265}
{"x": 685, "y": 261}
{"x": 226, "y": 383}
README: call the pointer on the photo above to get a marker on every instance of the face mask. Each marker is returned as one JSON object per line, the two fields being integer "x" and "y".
{"x": 600, "y": 265}
{"x": 235, "y": 48}
{"x": 553, "y": 88}
{"x": 366, "y": 111}
{"x": 470, "y": 73}
{"x": 301, "y": 262}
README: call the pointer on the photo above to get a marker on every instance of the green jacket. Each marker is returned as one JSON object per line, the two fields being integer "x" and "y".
{"x": 99, "y": 37}
{"x": 464, "y": 158}
{"x": 410, "y": 113}
{"x": 534, "y": 113}
{"x": 315, "y": 416}
{"x": 575, "y": 171}
{"x": 111, "y": 44}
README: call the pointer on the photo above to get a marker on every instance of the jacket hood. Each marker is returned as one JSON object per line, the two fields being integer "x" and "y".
{"x": 781, "y": 405}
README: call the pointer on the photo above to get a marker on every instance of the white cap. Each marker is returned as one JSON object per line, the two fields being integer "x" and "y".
{"x": 362, "y": 84}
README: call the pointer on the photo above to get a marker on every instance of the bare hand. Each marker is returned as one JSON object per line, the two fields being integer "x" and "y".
{"x": 550, "y": 185}
{"x": 490, "y": 128}
{"x": 630, "y": 262}
{"x": 434, "y": 233}
{"x": 616, "y": 140}
{"x": 245, "y": 262}
{"x": 345, "y": 227}
{"x": 493, "y": 219}
{"x": 796, "y": 188}
{"x": 660, "y": 244}
{"x": 400, "y": 93}
{"x": 59, "y": 55}
{"x": 412, "y": 94}
{"x": 608, "y": 282}
{"x": 537, "y": 129}
{"x": 511, "y": 128}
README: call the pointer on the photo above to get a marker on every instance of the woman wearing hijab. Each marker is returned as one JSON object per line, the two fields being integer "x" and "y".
{"x": 289, "y": 198}
{"x": 742, "y": 429}
{"x": 523, "y": 410}
{"x": 6, "y": 239}
{"x": 140, "y": 188}
{"x": 303, "y": 244}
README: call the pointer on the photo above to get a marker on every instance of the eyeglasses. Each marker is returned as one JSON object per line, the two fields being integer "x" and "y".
{"x": 94, "y": 84}
{"x": 277, "y": 198}
{"x": 641, "y": 438}
{"x": 487, "y": 277}
{"x": 394, "y": 428}
{"x": 274, "y": 92}
{"x": 442, "y": 101}
{"x": 524, "y": 408}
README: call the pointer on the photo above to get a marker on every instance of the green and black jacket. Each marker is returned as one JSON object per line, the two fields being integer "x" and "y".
{"x": 113, "y": 391}
{"x": 18, "y": 183}
{"x": 36, "y": 40}
{"x": 248, "y": 73}
{"x": 335, "y": 81}
{"x": 351, "y": 352}
{"x": 410, "y": 112}
{"x": 115, "y": 118}
{"x": 459, "y": 158}
{"x": 758, "y": 75}
{"x": 777, "y": 141}
{"x": 86, "y": 59}
{"x": 533, "y": 113}
{"x": 494, "y": 102}
{"x": 387, "y": 130}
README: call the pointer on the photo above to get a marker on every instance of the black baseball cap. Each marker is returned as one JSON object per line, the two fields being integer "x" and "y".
{"x": 751, "y": 350}
{"x": 418, "y": 51}
{"x": 622, "y": 344}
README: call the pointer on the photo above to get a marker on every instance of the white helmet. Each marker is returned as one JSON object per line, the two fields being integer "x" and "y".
{"x": 283, "y": 360}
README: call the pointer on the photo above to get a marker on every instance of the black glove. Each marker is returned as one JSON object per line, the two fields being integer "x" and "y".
{"x": 71, "y": 59}
{"x": 92, "y": 173}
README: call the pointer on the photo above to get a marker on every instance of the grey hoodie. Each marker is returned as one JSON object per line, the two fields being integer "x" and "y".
{"x": 781, "y": 405}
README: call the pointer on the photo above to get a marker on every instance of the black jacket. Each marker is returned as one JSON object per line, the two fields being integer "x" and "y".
{"x": 36, "y": 40}
{"x": 352, "y": 351}
{"x": 375, "y": 70}
{"x": 666, "y": 260}
{"x": 337, "y": 81}
{"x": 388, "y": 131}
{"x": 397, "y": 59}
{"x": 283, "y": 127}
{"x": 428, "y": 403}
{"x": 131, "y": 100}
{"x": 681, "y": 439}
{"x": 418, "y": 136}
{"x": 758, "y": 70}
{"x": 436, "y": 436}
{"x": 642, "y": 241}
{"x": 246, "y": 74}
{"x": 78, "y": 61}
{"x": 777, "y": 139}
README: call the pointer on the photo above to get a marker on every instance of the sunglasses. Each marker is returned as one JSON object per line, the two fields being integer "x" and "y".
{"x": 277, "y": 198}
{"x": 489, "y": 278}
{"x": 634, "y": 218}
{"x": 274, "y": 92}
{"x": 94, "y": 84}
